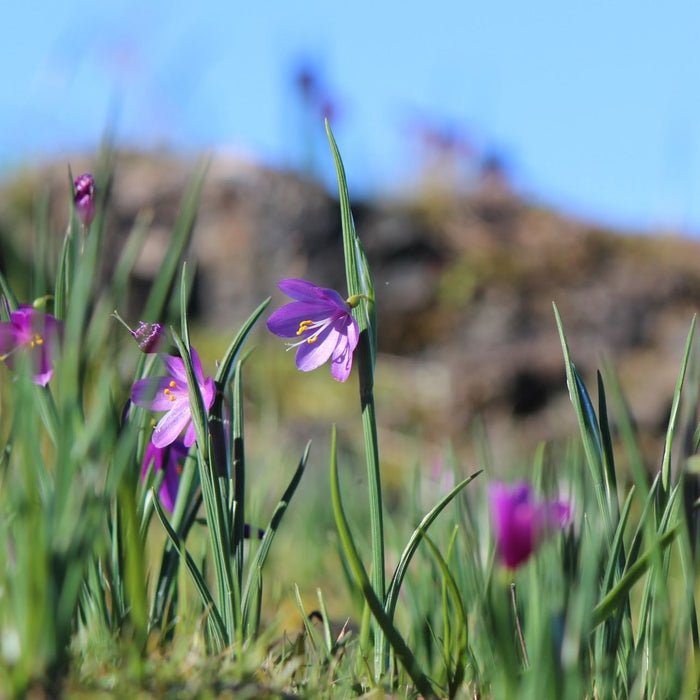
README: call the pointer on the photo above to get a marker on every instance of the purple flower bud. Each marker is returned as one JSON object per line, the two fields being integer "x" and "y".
{"x": 149, "y": 336}
{"x": 84, "y": 198}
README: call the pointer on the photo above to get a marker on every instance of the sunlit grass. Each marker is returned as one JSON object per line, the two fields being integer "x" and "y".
{"x": 105, "y": 594}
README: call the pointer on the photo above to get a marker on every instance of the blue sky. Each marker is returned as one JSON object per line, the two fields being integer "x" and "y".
{"x": 594, "y": 106}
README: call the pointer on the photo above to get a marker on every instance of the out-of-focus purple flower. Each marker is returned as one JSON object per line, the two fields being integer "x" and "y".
{"x": 170, "y": 394}
{"x": 34, "y": 335}
{"x": 84, "y": 198}
{"x": 521, "y": 522}
{"x": 322, "y": 321}
{"x": 149, "y": 336}
{"x": 170, "y": 460}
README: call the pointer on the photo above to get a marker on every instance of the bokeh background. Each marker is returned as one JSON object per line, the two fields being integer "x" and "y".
{"x": 591, "y": 107}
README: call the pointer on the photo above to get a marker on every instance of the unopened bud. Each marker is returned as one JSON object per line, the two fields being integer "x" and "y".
{"x": 84, "y": 198}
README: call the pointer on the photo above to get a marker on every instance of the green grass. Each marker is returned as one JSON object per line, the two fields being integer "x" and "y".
{"x": 377, "y": 574}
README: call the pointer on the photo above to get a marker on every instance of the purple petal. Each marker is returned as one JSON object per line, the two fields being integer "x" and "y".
{"x": 171, "y": 425}
{"x": 208, "y": 389}
{"x": 8, "y": 337}
{"x": 304, "y": 291}
{"x": 301, "y": 290}
{"x": 190, "y": 435}
{"x": 171, "y": 482}
{"x": 148, "y": 393}
{"x": 285, "y": 321}
{"x": 175, "y": 367}
{"x": 341, "y": 360}
{"x": 153, "y": 456}
{"x": 312, "y": 355}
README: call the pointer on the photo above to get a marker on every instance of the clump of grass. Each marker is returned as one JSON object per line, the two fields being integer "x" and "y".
{"x": 108, "y": 588}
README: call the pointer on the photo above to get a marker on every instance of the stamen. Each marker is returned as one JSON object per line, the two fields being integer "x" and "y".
{"x": 304, "y": 326}
{"x": 166, "y": 391}
{"x": 171, "y": 398}
{"x": 172, "y": 384}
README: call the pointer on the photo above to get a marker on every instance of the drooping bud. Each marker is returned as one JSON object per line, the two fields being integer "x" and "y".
{"x": 84, "y": 198}
{"x": 149, "y": 336}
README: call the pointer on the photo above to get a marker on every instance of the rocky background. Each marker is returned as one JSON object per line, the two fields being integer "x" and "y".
{"x": 464, "y": 282}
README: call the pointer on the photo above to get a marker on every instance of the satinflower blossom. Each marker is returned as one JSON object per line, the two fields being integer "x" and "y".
{"x": 321, "y": 322}
{"x": 521, "y": 521}
{"x": 171, "y": 394}
{"x": 30, "y": 336}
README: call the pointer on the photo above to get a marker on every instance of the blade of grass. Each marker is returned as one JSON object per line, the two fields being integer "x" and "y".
{"x": 398, "y": 645}
{"x": 412, "y": 545}
{"x": 673, "y": 418}
{"x": 213, "y": 614}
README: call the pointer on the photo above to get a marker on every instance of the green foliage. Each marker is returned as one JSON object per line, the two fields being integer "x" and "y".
{"x": 104, "y": 590}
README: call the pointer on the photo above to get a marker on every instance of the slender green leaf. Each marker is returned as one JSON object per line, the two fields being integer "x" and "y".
{"x": 412, "y": 545}
{"x": 673, "y": 418}
{"x": 213, "y": 614}
{"x": 398, "y": 645}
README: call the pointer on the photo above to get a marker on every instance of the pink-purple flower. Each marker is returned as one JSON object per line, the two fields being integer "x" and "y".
{"x": 521, "y": 521}
{"x": 84, "y": 198}
{"x": 33, "y": 336}
{"x": 321, "y": 321}
{"x": 170, "y": 394}
{"x": 168, "y": 459}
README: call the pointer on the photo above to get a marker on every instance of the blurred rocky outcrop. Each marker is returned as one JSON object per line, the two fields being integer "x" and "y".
{"x": 464, "y": 284}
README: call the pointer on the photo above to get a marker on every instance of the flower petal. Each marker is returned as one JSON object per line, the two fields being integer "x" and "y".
{"x": 341, "y": 360}
{"x": 285, "y": 321}
{"x": 148, "y": 393}
{"x": 8, "y": 337}
{"x": 190, "y": 435}
{"x": 304, "y": 291}
{"x": 208, "y": 389}
{"x": 171, "y": 425}
{"x": 312, "y": 355}
{"x": 175, "y": 366}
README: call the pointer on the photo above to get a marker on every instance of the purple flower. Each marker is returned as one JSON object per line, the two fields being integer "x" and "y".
{"x": 84, "y": 198}
{"x": 322, "y": 321}
{"x": 521, "y": 522}
{"x": 170, "y": 460}
{"x": 170, "y": 394}
{"x": 34, "y": 334}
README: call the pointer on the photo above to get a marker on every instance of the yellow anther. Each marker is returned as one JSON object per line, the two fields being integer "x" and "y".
{"x": 166, "y": 391}
{"x": 304, "y": 326}
{"x": 312, "y": 339}
{"x": 38, "y": 340}
{"x": 172, "y": 384}
{"x": 172, "y": 398}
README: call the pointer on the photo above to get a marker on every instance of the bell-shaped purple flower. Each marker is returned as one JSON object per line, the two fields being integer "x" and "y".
{"x": 170, "y": 393}
{"x": 34, "y": 336}
{"x": 321, "y": 320}
{"x": 84, "y": 198}
{"x": 169, "y": 460}
{"x": 521, "y": 522}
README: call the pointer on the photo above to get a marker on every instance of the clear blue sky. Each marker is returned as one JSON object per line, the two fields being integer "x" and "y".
{"x": 594, "y": 105}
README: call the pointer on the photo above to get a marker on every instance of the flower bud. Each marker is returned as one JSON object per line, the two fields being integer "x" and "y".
{"x": 149, "y": 336}
{"x": 84, "y": 198}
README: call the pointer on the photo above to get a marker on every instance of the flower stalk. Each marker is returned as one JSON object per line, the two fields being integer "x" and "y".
{"x": 360, "y": 288}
